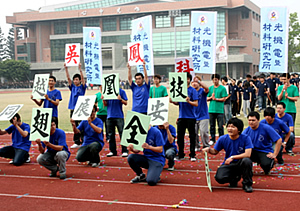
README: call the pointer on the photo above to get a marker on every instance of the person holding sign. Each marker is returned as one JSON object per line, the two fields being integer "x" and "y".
{"x": 153, "y": 158}
{"x": 52, "y": 99}
{"x": 237, "y": 162}
{"x": 115, "y": 118}
{"x": 157, "y": 90}
{"x": 262, "y": 136}
{"x": 57, "y": 154}
{"x": 19, "y": 149}
{"x": 187, "y": 120}
{"x": 77, "y": 89}
{"x": 140, "y": 90}
{"x": 92, "y": 140}
{"x": 217, "y": 95}
{"x": 169, "y": 134}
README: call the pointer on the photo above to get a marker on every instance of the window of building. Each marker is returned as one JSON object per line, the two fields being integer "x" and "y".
{"x": 121, "y": 39}
{"x": 253, "y": 15}
{"x": 233, "y": 50}
{"x": 257, "y": 17}
{"x": 254, "y": 34}
{"x": 109, "y": 24}
{"x": 21, "y": 49}
{"x": 76, "y": 26}
{"x": 95, "y": 22}
{"x": 162, "y": 21}
{"x": 23, "y": 58}
{"x": 221, "y": 25}
{"x": 58, "y": 48}
{"x": 245, "y": 14}
{"x": 125, "y": 23}
{"x": 183, "y": 20}
{"x": 60, "y": 27}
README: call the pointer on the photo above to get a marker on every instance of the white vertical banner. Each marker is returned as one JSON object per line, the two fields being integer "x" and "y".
{"x": 72, "y": 54}
{"x": 221, "y": 50}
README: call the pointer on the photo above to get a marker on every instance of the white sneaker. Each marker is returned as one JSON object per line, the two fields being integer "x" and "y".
{"x": 211, "y": 143}
{"x": 238, "y": 115}
{"x": 124, "y": 154}
{"x": 74, "y": 146}
{"x": 110, "y": 154}
{"x": 94, "y": 165}
{"x": 193, "y": 159}
{"x": 28, "y": 160}
{"x": 170, "y": 168}
{"x": 11, "y": 162}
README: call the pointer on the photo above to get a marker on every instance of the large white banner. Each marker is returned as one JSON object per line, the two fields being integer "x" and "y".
{"x": 84, "y": 107}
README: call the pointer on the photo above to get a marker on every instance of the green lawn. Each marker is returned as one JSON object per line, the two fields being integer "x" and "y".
{"x": 64, "y": 115}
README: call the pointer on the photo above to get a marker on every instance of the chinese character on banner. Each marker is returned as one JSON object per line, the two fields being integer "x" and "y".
{"x": 72, "y": 55}
{"x": 135, "y": 129}
{"x": 9, "y": 112}
{"x": 84, "y": 107}
{"x": 40, "y": 124}
{"x": 110, "y": 86}
{"x": 178, "y": 86}
{"x": 185, "y": 65}
{"x": 158, "y": 110}
{"x": 274, "y": 28}
{"x": 40, "y": 86}
{"x": 135, "y": 53}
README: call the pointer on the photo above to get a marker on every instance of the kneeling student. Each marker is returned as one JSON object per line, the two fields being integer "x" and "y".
{"x": 237, "y": 161}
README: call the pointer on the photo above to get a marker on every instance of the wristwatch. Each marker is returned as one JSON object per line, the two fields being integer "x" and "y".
{"x": 232, "y": 157}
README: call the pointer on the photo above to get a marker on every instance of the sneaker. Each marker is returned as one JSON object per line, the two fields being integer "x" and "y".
{"x": 233, "y": 184}
{"x": 110, "y": 154}
{"x": 193, "y": 159}
{"x": 94, "y": 165}
{"x": 197, "y": 149}
{"x": 178, "y": 158}
{"x": 124, "y": 154}
{"x": 290, "y": 152}
{"x": 170, "y": 168}
{"x": 53, "y": 173}
{"x": 238, "y": 115}
{"x": 280, "y": 161}
{"x": 248, "y": 188}
{"x": 28, "y": 160}
{"x": 211, "y": 143}
{"x": 137, "y": 179}
{"x": 62, "y": 176}
{"x": 11, "y": 162}
{"x": 74, "y": 146}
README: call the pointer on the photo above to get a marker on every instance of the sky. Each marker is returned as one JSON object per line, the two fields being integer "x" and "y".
{"x": 21, "y": 6}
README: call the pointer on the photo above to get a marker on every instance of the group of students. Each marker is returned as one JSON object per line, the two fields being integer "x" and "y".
{"x": 261, "y": 142}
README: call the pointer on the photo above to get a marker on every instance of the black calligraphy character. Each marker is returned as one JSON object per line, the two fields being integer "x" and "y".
{"x": 179, "y": 88}
{"x": 131, "y": 140}
{"x": 40, "y": 123}
{"x": 10, "y": 111}
{"x": 40, "y": 86}
{"x": 156, "y": 112}
{"x": 83, "y": 107}
{"x": 109, "y": 87}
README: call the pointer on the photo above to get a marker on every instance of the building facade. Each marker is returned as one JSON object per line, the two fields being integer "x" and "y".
{"x": 48, "y": 30}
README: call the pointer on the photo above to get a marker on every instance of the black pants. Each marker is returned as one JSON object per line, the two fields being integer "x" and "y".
{"x": 19, "y": 156}
{"x": 77, "y": 136}
{"x": 111, "y": 132}
{"x": 261, "y": 158}
{"x": 252, "y": 104}
{"x": 294, "y": 120}
{"x": 233, "y": 172}
{"x": 89, "y": 153}
{"x": 212, "y": 121}
{"x": 273, "y": 98}
{"x": 182, "y": 125}
{"x": 234, "y": 107}
{"x": 104, "y": 118}
{"x": 239, "y": 105}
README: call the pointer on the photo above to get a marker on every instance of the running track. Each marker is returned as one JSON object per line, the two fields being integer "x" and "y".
{"x": 28, "y": 187}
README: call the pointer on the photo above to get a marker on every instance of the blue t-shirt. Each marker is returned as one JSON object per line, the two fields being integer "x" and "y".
{"x": 287, "y": 119}
{"x": 278, "y": 125}
{"x": 262, "y": 88}
{"x": 114, "y": 107}
{"x": 140, "y": 96}
{"x": 18, "y": 141}
{"x": 262, "y": 138}
{"x": 53, "y": 95}
{"x": 155, "y": 139}
{"x": 233, "y": 147}
{"x": 186, "y": 110}
{"x": 234, "y": 90}
{"x": 58, "y": 138}
{"x": 165, "y": 137}
{"x": 201, "y": 111}
{"x": 252, "y": 90}
{"x": 246, "y": 94}
{"x": 90, "y": 135}
{"x": 76, "y": 91}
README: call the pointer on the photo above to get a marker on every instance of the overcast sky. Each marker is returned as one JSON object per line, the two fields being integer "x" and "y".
{"x": 23, "y": 5}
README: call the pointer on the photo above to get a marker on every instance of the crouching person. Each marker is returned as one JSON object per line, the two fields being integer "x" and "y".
{"x": 57, "y": 154}
{"x": 92, "y": 139}
{"x": 153, "y": 158}
{"x": 237, "y": 161}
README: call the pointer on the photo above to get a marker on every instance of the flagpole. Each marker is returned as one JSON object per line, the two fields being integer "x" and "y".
{"x": 227, "y": 74}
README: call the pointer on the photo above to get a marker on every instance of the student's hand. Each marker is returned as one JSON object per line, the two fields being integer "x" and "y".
{"x": 187, "y": 99}
{"x": 271, "y": 155}
{"x": 170, "y": 100}
{"x": 89, "y": 120}
{"x": 228, "y": 161}
{"x": 146, "y": 146}
{"x": 72, "y": 122}
{"x": 206, "y": 149}
{"x": 284, "y": 87}
{"x": 31, "y": 97}
{"x": 79, "y": 66}
{"x": 102, "y": 97}
{"x": 128, "y": 66}
{"x": 46, "y": 143}
{"x": 286, "y": 95}
{"x": 166, "y": 125}
{"x": 144, "y": 62}
{"x": 130, "y": 147}
{"x": 283, "y": 144}
{"x": 239, "y": 100}
{"x": 65, "y": 65}
{"x": 47, "y": 97}
{"x": 14, "y": 121}
{"x": 38, "y": 141}
{"x": 213, "y": 97}
{"x": 119, "y": 97}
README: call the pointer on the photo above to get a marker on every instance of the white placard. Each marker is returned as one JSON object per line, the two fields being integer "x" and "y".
{"x": 135, "y": 53}
{"x": 40, "y": 86}
{"x": 40, "y": 124}
{"x": 9, "y": 112}
{"x": 72, "y": 54}
{"x": 84, "y": 107}
{"x": 184, "y": 65}
{"x": 158, "y": 110}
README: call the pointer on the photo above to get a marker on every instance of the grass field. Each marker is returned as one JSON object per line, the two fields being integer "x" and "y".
{"x": 64, "y": 114}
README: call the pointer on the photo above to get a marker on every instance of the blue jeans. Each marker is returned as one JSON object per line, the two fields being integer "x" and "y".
{"x": 170, "y": 155}
{"x": 89, "y": 153}
{"x": 111, "y": 124}
{"x": 227, "y": 112}
{"x": 262, "y": 102}
{"x": 212, "y": 121}
{"x": 19, "y": 156}
{"x": 138, "y": 161}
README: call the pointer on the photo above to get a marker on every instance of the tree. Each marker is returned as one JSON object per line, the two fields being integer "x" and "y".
{"x": 294, "y": 47}
{"x": 15, "y": 71}
{"x": 3, "y": 47}
{"x": 10, "y": 43}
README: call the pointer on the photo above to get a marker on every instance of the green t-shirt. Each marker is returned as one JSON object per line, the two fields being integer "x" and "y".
{"x": 216, "y": 106}
{"x": 160, "y": 91}
{"x": 102, "y": 108}
{"x": 289, "y": 104}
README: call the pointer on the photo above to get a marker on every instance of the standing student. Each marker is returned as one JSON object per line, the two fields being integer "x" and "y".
{"x": 227, "y": 103}
{"x": 234, "y": 98}
{"x": 52, "y": 99}
{"x": 240, "y": 88}
{"x": 273, "y": 85}
{"x": 157, "y": 90}
{"x": 77, "y": 89}
{"x": 263, "y": 91}
{"x": 187, "y": 120}
{"x": 247, "y": 96}
{"x": 19, "y": 149}
{"x": 253, "y": 95}
{"x": 140, "y": 90}
{"x": 217, "y": 95}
